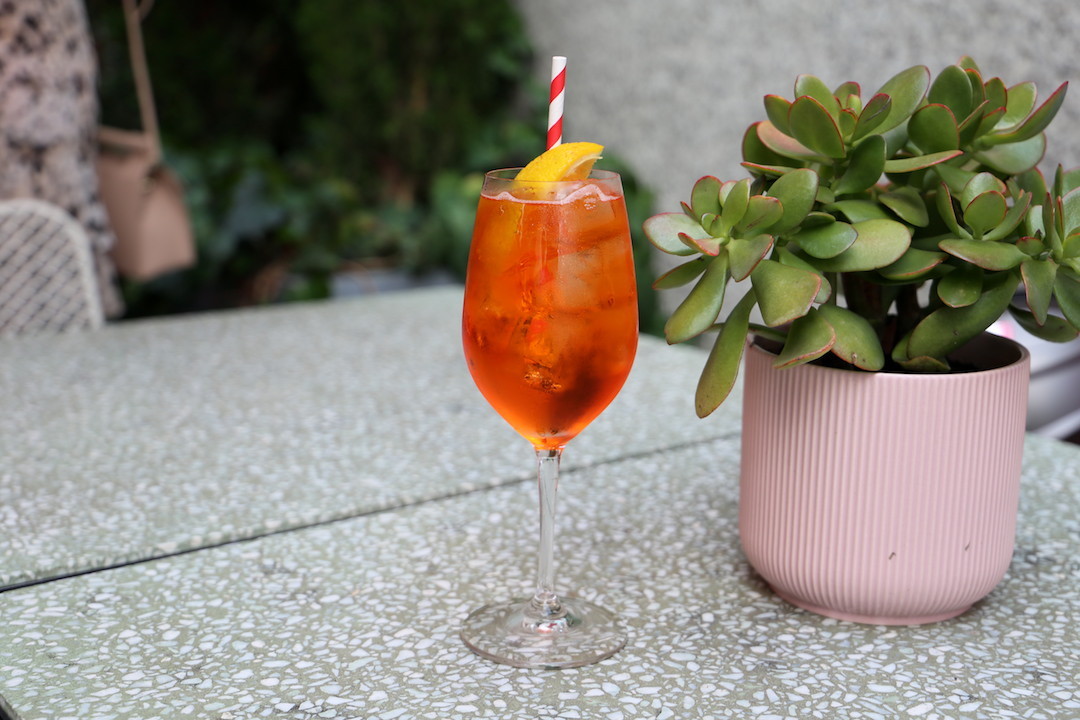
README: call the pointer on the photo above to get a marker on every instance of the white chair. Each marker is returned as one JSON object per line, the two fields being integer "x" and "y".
{"x": 47, "y": 279}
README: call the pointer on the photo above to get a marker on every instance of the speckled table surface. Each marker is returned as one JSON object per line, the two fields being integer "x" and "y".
{"x": 156, "y": 437}
{"x": 353, "y": 613}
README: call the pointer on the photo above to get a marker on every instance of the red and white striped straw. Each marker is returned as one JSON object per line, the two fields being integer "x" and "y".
{"x": 555, "y": 101}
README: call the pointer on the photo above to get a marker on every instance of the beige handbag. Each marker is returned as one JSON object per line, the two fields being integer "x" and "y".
{"x": 144, "y": 199}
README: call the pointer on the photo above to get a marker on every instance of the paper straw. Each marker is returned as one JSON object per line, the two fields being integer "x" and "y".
{"x": 555, "y": 101}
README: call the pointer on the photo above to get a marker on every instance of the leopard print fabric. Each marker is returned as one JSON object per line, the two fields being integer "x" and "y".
{"x": 48, "y": 119}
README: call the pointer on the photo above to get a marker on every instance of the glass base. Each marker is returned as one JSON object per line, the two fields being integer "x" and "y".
{"x": 515, "y": 633}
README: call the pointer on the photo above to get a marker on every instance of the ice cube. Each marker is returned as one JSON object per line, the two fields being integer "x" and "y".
{"x": 541, "y": 377}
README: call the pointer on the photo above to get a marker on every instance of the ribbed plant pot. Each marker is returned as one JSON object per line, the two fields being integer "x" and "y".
{"x": 886, "y": 498}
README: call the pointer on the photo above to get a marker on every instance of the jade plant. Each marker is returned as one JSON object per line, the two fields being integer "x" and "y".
{"x": 884, "y": 233}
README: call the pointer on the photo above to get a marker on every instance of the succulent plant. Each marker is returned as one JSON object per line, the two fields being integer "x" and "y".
{"x": 888, "y": 232}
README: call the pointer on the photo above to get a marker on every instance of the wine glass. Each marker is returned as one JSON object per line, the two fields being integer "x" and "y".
{"x": 550, "y": 329}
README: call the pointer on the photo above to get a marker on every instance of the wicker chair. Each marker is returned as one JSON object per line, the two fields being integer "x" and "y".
{"x": 47, "y": 280}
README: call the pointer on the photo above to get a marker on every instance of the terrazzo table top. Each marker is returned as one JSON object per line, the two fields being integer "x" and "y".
{"x": 344, "y": 603}
{"x": 155, "y": 437}
{"x": 358, "y": 618}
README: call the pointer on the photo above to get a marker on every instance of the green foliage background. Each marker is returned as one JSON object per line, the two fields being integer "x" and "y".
{"x": 326, "y": 135}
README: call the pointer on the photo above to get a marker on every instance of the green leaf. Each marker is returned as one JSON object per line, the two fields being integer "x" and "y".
{"x": 1033, "y": 224}
{"x": 796, "y": 192}
{"x": 784, "y": 293}
{"x": 983, "y": 182}
{"x": 1014, "y": 158}
{"x": 819, "y": 91}
{"x": 1033, "y": 182}
{"x": 987, "y": 255}
{"x": 919, "y": 162}
{"x": 810, "y": 337}
{"x": 705, "y": 197}
{"x": 1070, "y": 247}
{"x": 947, "y": 329}
{"x": 986, "y": 211}
{"x": 663, "y": 232}
{"x": 698, "y": 311}
{"x": 680, "y": 275}
{"x": 945, "y": 210}
{"x": 895, "y": 141}
{"x": 777, "y": 109}
{"x": 914, "y": 263}
{"x": 1020, "y": 101}
{"x": 956, "y": 178}
{"x": 977, "y": 124}
{"x": 708, "y": 246}
{"x": 745, "y": 254}
{"x": 978, "y": 92}
{"x": 961, "y": 287}
{"x": 988, "y": 122}
{"x": 856, "y": 342}
{"x": 786, "y": 257}
{"x": 826, "y": 241}
{"x": 755, "y": 151}
{"x": 907, "y": 90}
{"x": 997, "y": 95}
{"x": 817, "y": 218}
{"x": 1038, "y": 277}
{"x": 846, "y": 122}
{"x": 873, "y": 114}
{"x": 933, "y": 128}
{"x": 728, "y": 185}
{"x": 879, "y": 243}
{"x": 761, "y": 213}
{"x": 711, "y": 223}
{"x": 813, "y": 126}
{"x": 1070, "y": 205}
{"x": 1030, "y": 246}
{"x": 951, "y": 88}
{"x": 858, "y": 210}
{"x": 1045, "y": 221}
{"x": 1065, "y": 181}
{"x": 757, "y": 169}
{"x": 785, "y": 146}
{"x": 1058, "y": 237}
{"x": 1053, "y": 329}
{"x": 847, "y": 90}
{"x": 1035, "y": 123}
{"x": 921, "y": 364}
{"x": 735, "y": 201}
{"x": 1012, "y": 219}
{"x": 1067, "y": 292}
{"x": 968, "y": 63}
{"x": 722, "y": 367}
{"x": 908, "y": 205}
{"x": 865, "y": 166}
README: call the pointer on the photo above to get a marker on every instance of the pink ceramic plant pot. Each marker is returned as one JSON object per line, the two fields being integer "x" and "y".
{"x": 883, "y": 498}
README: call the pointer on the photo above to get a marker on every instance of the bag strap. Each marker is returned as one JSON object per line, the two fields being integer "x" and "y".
{"x": 133, "y": 16}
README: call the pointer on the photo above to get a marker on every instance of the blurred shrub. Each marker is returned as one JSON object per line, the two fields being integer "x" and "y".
{"x": 319, "y": 135}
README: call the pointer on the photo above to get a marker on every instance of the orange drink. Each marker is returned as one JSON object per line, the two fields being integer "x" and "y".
{"x": 550, "y": 318}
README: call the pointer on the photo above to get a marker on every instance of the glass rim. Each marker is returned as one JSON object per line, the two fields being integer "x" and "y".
{"x": 504, "y": 174}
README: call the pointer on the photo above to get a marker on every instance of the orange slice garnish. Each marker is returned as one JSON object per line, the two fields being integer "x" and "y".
{"x": 569, "y": 161}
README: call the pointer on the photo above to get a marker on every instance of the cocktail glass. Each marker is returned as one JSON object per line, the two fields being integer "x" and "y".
{"x": 550, "y": 329}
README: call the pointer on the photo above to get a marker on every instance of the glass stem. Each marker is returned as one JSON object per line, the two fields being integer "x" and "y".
{"x": 545, "y": 602}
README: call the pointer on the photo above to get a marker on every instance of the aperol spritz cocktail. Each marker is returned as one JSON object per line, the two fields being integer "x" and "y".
{"x": 550, "y": 322}
{"x": 550, "y": 331}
